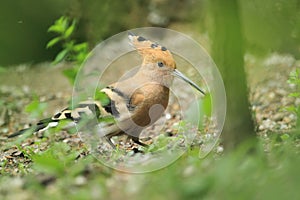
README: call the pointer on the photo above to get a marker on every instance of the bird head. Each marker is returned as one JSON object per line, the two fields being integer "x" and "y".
{"x": 157, "y": 60}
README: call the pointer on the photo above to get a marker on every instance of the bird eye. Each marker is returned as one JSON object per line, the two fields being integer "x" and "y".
{"x": 160, "y": 64}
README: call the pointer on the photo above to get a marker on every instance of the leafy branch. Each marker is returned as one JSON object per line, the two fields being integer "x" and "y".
{"x": 71, "y": 50}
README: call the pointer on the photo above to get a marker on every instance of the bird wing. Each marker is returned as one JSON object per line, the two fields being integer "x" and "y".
{"x": 118, "y": 106}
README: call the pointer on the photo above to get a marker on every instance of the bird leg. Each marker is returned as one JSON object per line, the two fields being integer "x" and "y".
{"x": 137, "y": 141}
{"x": 108, "y": 139}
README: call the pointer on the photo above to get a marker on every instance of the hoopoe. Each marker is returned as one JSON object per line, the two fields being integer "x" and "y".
{"x": 133, "y": 103}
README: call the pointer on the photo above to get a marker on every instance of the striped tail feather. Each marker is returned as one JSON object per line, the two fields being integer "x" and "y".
{"x": 40, "y": 126}
{"x": 83, "y": 109}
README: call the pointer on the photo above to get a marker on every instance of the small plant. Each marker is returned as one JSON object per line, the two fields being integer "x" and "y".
{"x": 71, "y": 50}
{"x": 36, "y": 108}
{"x": 294, "y": 79}
{"x": 56, "y": 160}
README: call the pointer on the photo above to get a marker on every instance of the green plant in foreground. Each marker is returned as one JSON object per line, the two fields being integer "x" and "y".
{"x": 36, "y": 108}
{"x": 71, "y": 50}
{"x": 55, "y": 160}
{"x": 294, "y": 79}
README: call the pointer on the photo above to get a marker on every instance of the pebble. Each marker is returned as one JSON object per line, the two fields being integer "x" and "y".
{"x": 168, "y": 116}
{"x": 292, "y": 116}
{"x": 15, "y": 183}
{"x": 287, "y": 119}
{"x": 283, "y": 127}
{"x": 281, "y": 92}
{"x": 80, "y": 180}
{"x": 285, "y": 101}
{"x": 278, "y": 116}
{"x": 220, "y": 149}
{"x": 188, "y": 171}
{"x": 26, "y": 89}
{"x": 267, "y": 124}
{"x": 271, "y": 95}
{"x": 297, "y": 102}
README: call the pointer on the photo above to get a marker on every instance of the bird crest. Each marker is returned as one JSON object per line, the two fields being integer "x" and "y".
{"x": 152, "y": 52}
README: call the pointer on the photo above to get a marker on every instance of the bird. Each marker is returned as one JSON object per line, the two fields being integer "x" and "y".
{"x": 129, "y": 105}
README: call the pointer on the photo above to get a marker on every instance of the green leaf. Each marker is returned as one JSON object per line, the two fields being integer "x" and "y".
{"x": 294, "y": 77}
{"x": 35, "y": 108}
{"x": 59, "y": 25}
{"x": 285, "y": 137}
{"x": 55, "y": 29}
{"x": 70, "y": 29}
{"x": 294, "y": 94}
{"x": 53, "y": 160}
{"x": 71, "y": 74}
{"x": 52, "y": 42}
{"x": 81, "y": 47}
{"x": 47, "y": 163}
{"x": 102, "y": 97}
{"x": 80, "y": 58}
{"x": 207, "y": 105}
{"x": 290, "y": 108}
{"x": 107, "y": 119}
{"x": 70, "y": 50}
{"x": 61, "y": 56}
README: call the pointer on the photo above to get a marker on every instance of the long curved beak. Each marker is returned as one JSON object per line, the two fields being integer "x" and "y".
{"x": 186, "y": 79}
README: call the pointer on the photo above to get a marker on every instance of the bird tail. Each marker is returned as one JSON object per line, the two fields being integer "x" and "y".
{"x": 84, "y": 110}
{"x": 42, "y": 125}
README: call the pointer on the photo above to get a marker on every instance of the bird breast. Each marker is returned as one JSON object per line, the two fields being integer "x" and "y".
{"x": 148, "y": 103}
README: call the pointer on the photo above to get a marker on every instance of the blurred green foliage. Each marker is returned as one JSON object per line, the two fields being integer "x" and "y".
{"x": 205, "y": 105}
{"x": 2, "y": 69}
{"x": 71, "y": 50}
{"x": 36, "y": 108}
{"x": 23, "y": 29}
{"x": 267, "y": 26}
{"x": 270, "y": 25}
{"x": 101, "y": 19}
{"x": 237, "y": 175}
{"x": 294, "y": 79}
{"x": 102, "y": 97}
{"x": 56, "y": 160}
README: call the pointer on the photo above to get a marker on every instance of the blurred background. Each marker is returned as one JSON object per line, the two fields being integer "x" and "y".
{"x": 270, "y": 25}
